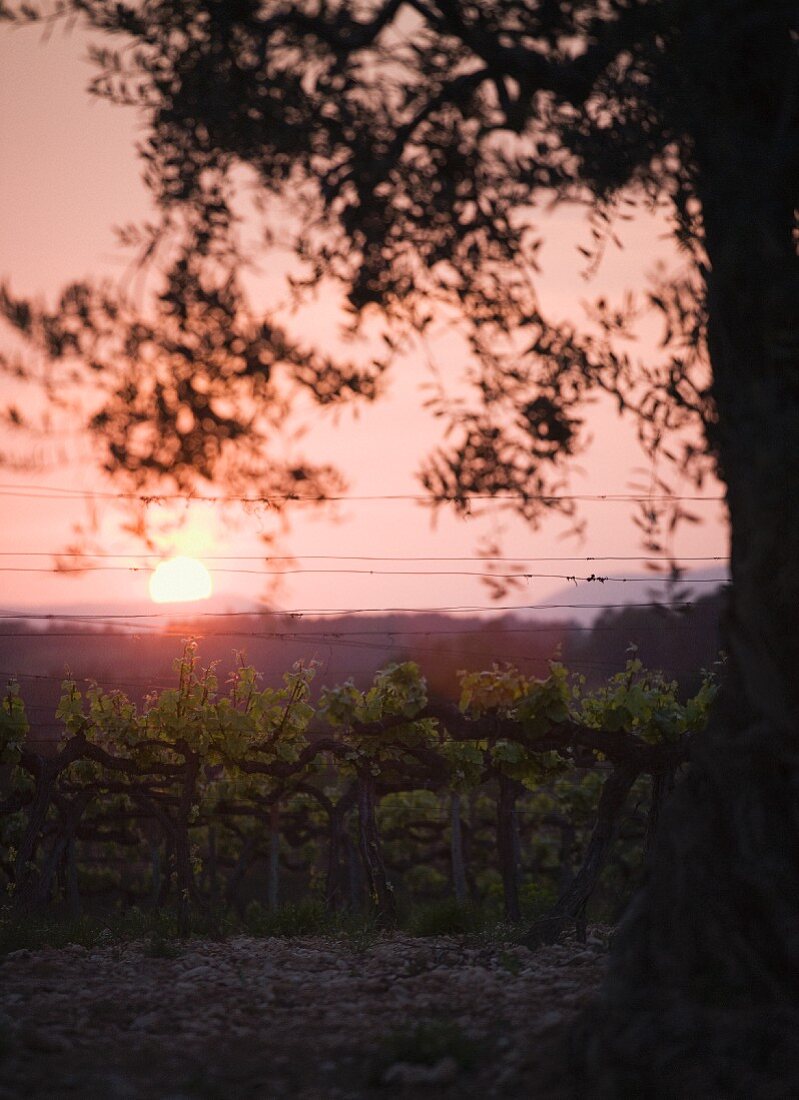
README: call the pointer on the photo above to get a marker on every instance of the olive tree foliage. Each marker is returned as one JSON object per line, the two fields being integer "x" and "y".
{"x": 402, "y": 147}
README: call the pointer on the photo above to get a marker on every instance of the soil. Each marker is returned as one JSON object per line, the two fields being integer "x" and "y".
{"x": 307, "y": 1019}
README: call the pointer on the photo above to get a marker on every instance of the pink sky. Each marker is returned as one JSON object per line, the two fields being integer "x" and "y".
{"x": 68, "y": 174}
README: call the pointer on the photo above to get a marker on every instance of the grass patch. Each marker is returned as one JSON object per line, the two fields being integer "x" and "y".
{"x": 445, "y": 918}
{"x": 34, "y": 931}
{"x": 508, "y": 961}
{"x": 424, "y": 1044}
{"x": 360, "y": 936}
{"x": 159, "y": 929}
{"x": 303, "y": 918}
{"x": 159, "y": 947}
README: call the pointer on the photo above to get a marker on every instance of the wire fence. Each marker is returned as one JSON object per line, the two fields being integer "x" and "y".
{"x": 55, "y": 492}
{"x": 499, "y": 621}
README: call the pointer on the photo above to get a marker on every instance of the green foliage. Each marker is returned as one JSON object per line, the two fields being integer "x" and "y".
{"x": 195, "y": 716}
{"x": 422, "y": 880}
{"x": 498, "y": 690}
{"x": 202, "y": 758}
{"x": 510, "y": 962}
{"x": 34, "y": 931}
{"x": 374, "y": 737}
{"x": 536, "y": 899}
{"x": 466, "y": 760}
{"x": 646, "y": 704}
{"x": 425, "y": 1043}
{"x": 305, "y": 918}
{"x": 444, "y": 918}
{"x": 534, "y": 706}
{"x": 13, "y": 724}
{"x": 159, "y": 947}
{"x": 396, "y": 690}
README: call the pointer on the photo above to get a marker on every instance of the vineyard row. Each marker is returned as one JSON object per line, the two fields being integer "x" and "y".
{"x": 378, "y": 794}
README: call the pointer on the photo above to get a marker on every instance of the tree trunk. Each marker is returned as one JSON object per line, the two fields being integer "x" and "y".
{"x": 155, "y": 872}
{"x": 701, "y": 995}
{"x": 660, "y": 785}
{"x": 355, "y": 875}
{"x": 169, "y": 863}
{"x": 568, "y": 835}
{"x": 185, "y": 878}
{"x": 380, "y": 891}
{"x": 243, "y": 864}
{"x": 212, "y": 867}
{"x": 571, "y": 905}
{"x": 507, "y": 845}
{"x": 26, "y": 872}
{"x": 73, "y": 889}
{"x": 183, "y": 862}
{"x": 459, "y": 886}
{"x": 273, "y": 887}
{"x": 44, "y": 887}
{"x": 334, "y": 878}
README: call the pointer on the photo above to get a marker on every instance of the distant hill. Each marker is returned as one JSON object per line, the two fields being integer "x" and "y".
{"x": 583, "y": 602}
{"x": 679, "y": 642}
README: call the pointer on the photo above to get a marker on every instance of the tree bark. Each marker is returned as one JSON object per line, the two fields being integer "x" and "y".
{"x": 334, "y": 874}
{"x": 155, "y": 872}
{"x": 380, "y": 891}
{"x": 242, "y": 866}
{"x": 701, "y": 994}
{"x": 26, "y": 872}
{"x": 660, "y": 785}
{"x": 354, "y": 875}
{"x": 571, "y": 905}
{"x": 273, "y": 887}
{"x": 183, "y": 863}
{"x": 459, "y": 885}
{"x": 568, "y": 835}
{"x": 212, "y": 867}
{"x": 44, "y": 887}
{"x": 72, "y": 886}
{"x": 169, "y": 864}
{"x": 507, "y": 845}
{"x": 185, "y": 879}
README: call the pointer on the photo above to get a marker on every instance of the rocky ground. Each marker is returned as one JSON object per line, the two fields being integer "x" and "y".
{"x": 308, "y": 1019}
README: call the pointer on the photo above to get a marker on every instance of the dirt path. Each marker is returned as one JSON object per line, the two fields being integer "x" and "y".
{"x": 306, "y": 1019}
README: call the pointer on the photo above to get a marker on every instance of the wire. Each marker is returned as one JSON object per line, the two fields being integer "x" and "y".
{"x": 517, "y": 558}
{"x": 62, "y": 492}
{"x": 52, "y": 679}
{"x": 592, "y": 579}
{"x": 180, "y": 630}
{"x": 303, "y": 613}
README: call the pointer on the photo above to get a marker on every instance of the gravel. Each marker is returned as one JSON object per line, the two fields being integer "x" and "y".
{"x": 309, "y": 1019}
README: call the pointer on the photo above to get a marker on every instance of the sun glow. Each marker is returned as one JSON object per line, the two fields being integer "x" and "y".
{"x": 179, "y": 580}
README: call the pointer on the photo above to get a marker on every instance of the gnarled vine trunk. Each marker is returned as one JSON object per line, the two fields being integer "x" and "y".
{"x": 273, "y": 886}
{"x": 380, "y": 890}
{"x": 334, "y": 877}
{"x": 571, "y": 905}
{"x": 459, "y": 884}
{"x": 507, "y": 846}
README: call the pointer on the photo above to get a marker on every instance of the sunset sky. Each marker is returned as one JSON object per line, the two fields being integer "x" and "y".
{"x": 68, "y": 175}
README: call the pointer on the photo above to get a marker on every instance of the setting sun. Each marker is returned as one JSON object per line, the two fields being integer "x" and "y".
{"x": 179, "y": 580}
